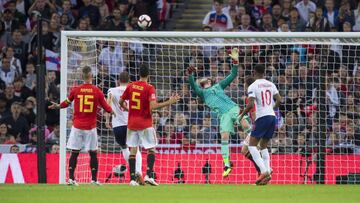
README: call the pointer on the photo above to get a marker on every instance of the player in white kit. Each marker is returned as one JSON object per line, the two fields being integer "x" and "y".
{"x": 119, "y": 122}
{"x": 261, "y": 95}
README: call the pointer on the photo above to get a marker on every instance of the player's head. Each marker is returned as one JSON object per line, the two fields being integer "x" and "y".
{"x": 86, "y": 73}
{"x": 205, "y": 82}
{"x": 124, "y": 78}
{"x": 259, "y": 70}
{"x": 144, "y": 71}
{"x": 248, "y": 82}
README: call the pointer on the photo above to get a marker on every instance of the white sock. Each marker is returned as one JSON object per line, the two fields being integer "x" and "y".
{"x": 266, "y": 158}
{"x": 138, "y": 165}
{"x": 257, "y": 158}
{"x": 126, "y": 154}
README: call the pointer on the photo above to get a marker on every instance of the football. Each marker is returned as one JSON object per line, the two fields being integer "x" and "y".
{"x": 144, "y": 21}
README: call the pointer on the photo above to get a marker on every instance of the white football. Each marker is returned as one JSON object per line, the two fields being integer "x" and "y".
{"x": 144, "y": 21}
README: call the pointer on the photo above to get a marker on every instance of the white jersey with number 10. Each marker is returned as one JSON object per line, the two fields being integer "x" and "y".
{"x": 263, "y": 91}
{"x": 121, "y": 116}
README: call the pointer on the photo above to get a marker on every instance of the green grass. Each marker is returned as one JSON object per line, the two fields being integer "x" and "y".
{"x": 180, "y": 193}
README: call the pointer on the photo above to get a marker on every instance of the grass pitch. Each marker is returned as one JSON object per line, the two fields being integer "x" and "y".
{"x": 180, "y": 193}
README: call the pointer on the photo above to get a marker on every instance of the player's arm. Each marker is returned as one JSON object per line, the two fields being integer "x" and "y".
{"x": 125, "y": 96}
{"x": 103, "y": 102}
{"x": 193, "y": 84}
{"x": 250, "y": 105}
{"x": 172, "y": 100}
{"x": 234, "y": 69}
{"x": 107, "y": 116}
{"x": 65, "y": 103}
{"x": 277, "y": 97}
{"x": 123, "y": 104}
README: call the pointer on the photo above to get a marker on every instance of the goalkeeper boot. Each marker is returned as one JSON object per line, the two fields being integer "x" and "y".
{"x": 139, "y": 179}
{"x": 227, "y": 171}
{"x": 97, "y": 183}
{"x": 72, "y": 182}
{"x": 133, "y": 183}
{"x": 150, "y": 181}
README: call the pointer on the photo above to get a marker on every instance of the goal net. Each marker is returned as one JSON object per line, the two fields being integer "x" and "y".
{"x": 317, "y": 138}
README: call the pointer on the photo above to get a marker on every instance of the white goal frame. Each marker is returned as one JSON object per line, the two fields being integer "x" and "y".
{"x": 65, "y": 35}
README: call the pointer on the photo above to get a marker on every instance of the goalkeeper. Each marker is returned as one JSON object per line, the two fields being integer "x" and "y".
{"x": 228, "y": 111}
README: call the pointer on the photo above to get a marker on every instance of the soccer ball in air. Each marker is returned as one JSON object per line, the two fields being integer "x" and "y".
{"x": 144, "y": 21}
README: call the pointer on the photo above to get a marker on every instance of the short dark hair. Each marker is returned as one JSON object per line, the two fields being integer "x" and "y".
{"x": 124, "y": 77}
{"x": 144, "y": 71}
{"x": 219, "y": 1}
{"x": 86, "y": 70}
{"x": 249, "y": 80}
{"x": 259, "y": 69}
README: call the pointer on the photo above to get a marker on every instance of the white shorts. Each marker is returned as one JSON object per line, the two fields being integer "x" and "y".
{"x": 146, "y": 138}
{"x": 83, "y": 138}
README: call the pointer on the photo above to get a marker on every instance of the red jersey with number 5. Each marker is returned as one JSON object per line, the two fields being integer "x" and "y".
{"x": 139, "y": 94}
{"x": 87, "y": 98}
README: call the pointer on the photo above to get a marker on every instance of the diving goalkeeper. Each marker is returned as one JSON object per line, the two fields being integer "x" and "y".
{"x": 228, "y": 111}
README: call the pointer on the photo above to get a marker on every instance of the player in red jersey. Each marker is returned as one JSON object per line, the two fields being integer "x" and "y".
{"x": 87, "y": 97}
{"x": 142, "y": 100}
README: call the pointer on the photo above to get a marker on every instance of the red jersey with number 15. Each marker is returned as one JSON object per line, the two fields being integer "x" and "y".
{"x": 87, "y": 98}
{"x": 139, "y": 94}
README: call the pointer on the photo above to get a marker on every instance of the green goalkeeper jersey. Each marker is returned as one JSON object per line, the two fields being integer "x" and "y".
{"x": 215, "y": 96}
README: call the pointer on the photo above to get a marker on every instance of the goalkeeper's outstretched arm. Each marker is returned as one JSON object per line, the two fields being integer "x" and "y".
{"x": 234, "y": 69}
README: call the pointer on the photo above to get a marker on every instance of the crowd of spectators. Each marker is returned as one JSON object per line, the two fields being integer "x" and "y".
{"x": 284, "y": 16}
{"x": 18, "y": 47}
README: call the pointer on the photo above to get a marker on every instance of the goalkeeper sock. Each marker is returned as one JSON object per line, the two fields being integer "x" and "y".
{"x": 257, "y": 158}
{"x": 248, "y": 155}
{"x": 138, "y": 162}
{"x": 266, "y": 158}
{"x": 150, "y": 164}
{"x": 132, "y": 161}
{"x": 72, "y": 164}
{"x": 93, "y": 165}
{"x": 126, "y": 154}
{"x": 225, "y": 152}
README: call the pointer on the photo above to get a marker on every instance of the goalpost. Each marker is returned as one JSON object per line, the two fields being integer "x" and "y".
{"x": 317, "y": 74}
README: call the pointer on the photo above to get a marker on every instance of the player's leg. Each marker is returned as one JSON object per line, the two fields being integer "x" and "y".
{"x": 132, "y": 141}
{"x": 246, "y": 126}
{"x": 149, "y": 141}
{"x": 91, "y": 145}
{"x": 226, "y": 127}
{"x": 74, "y": 143}
{"x": 120, "y": 138}
{"x": 271, "y": 124}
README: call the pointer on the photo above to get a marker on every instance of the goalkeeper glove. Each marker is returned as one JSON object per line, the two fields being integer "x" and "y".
{"x": 234, "y": 56}
{"x": 190, "y": 70}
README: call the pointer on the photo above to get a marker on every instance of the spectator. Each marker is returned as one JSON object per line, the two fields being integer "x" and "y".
{"x": 20, "y": 90}
{"x": 55, "y": 149}
{"x": 232, "y": 5}
{"x": 356, "y": 26}
{"x": 181, "y": 127}
{"x": 3, "y": 110}
{"x": 345, "y": 15}
{"x": 284, "y": 27}
{"x": 45, "y": 7}
{"x": 30, "y": 77}
{"x": 245, "y": 25}
{"x": 14, "y": 149}
{"x": 218, "y": 20}
{"x": 347, "y": 27}
{"x": 5, "y": 137}
{"x": 332, "y": 98}
{"x": 296, "y": 24}
{"x": 54, "y": 136}
{"x": 193, "y": 135}
{"x": 7, "y": 74}
{"x": 281, "y": 143}
{"x": 33, "y": 135}
{"x": 317, "y": 22}
{"x": 91, "y": 11}
{"x": 266, "y": 24}
{"x": 17, "y": 124}
{"x": 15, "y": 62}
{"x": 257, "y": 12}
{"x": 304, "y": 7}
{"x": 112, "y": 57}
{"x": 66, "y": 10}
{"x": 20, "y": 16}
{"x": 10, "y": 23}
{"x": 103, "y": 9}
{"x": 330, "y": 13}
{"x": 115, "y": 22}
{"x": 19, "y": 46}
{"x": 65, "y": 23}
{"x": 208, "y": 134}
{"x": 28, "y": 110}
{"x": 83, "y": 25}
{"x": 276, "y": 13}
{"x": 286, "y": 9}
